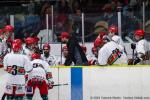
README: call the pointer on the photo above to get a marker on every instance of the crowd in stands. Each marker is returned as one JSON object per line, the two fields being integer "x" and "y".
{"x": 99, "y": 15}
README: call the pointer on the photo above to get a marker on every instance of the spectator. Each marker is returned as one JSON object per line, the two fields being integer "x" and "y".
{"x": 63, "y": 7}
{"x": 46, "y": 9}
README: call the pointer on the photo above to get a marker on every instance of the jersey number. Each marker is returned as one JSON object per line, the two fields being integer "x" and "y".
{"x": 14, "y": 70}
{"x": 35, "y": 65}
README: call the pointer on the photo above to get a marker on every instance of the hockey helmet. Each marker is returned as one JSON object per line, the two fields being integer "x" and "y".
{"x": 9, "y": 28}
{"x": 46, "y": 45}
{"x": 16, "y": 47}
{"x": 36, "y": 39}
{"x": 113, "y": 29}
{"x": 35, "y": 56}
{"x": 139, "y": 32}
{"x": 29, "y": 40}
{"x": 17, "y": 41}
{"x": 98, "y": 42}
{"x": 101, "y": 35}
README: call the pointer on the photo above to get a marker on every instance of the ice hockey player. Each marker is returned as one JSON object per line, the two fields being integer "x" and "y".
{"x": 110, "y": 53}
{"x": 40, "y": 77}
{"x": 3, "y": 48}
{"x": 113, "y": 34}
{"x": 29, "y": 46}
{"x": 61, "y": 60}
{"x": 8, "y": 31}
{"x": 91, "y": 59}
{"x": 50, "y": 59}
{"x": 142, "y": 55}
{"x": 16, "y": 64}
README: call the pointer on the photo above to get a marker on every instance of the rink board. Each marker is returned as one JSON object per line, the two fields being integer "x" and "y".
{"x": 97, "y": 83}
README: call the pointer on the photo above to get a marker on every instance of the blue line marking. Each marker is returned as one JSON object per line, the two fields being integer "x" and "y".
{"x": 76, "y": 84}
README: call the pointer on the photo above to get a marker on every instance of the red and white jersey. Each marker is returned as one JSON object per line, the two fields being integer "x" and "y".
{"x": 16, "y": 65}
{"x": 119, "y": 41}
{"x": 40, "y": 68}
{"x": 51, "y": 60}
{"x": 110, "y": 53}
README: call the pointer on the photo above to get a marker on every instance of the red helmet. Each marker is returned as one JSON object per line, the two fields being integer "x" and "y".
{"x": 36, "y": 39}
{"x": 139, "y": 32}
{"x": 9, "y": 28}
{"x": 64, "y": 48}
{"x": 17, "y": 41}
{"x": 113, "y": 29}
{"x": 94, "y": 49}
{"x": 35, "y": 56}
{"x": 46, "y": 45}
{"x": 16, "y": 47}
{"x": 101, "y": 35}
{"x": 64, "y": 35}
{"x": 84, "y": 48}
{"x": 98, "y": 42}
{"x": 30, "y": 40}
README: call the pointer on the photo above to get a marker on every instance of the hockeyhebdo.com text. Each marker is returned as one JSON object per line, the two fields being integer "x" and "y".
{"x": 119, "y": 98}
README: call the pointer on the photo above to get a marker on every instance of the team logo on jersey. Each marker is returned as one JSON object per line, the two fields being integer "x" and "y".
{"x": 114, "y": 56}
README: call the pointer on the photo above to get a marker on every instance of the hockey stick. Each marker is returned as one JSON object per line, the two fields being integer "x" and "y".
{"x": 41, "y": 51}
{"x": 129, "y": 39}
{"x": 132, "y": 47}
{"x": 60, "y": 84}
{"x": 41, "y": 43}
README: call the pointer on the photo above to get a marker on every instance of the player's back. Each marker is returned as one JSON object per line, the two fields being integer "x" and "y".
{"x": 119, "y": 41}
{"x": 16, "y": 64}
{"x": 40, "y": 67}
{"x": 107, "y": 52}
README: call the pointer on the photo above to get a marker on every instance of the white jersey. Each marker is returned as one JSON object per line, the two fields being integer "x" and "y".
{"x": 17, "y": 64}
{"x": 110, "y": 53}
{"x": 27, "y": 51}
{"x": 51, "y": 60}
{"x": 40, "y": 68}
{"x": 119, "y": 41}
{"x": 3, "y": 46}
{"x": 142, "y": 47}
{"x": 3, "y": 50}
